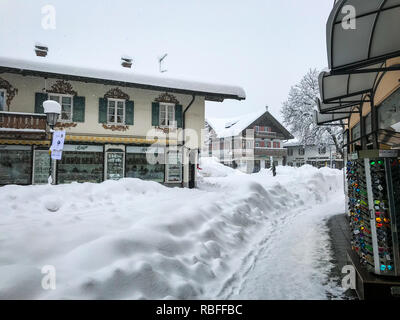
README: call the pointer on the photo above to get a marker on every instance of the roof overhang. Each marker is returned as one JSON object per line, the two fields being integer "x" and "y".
{"x": 331, "y": 118}
{"x": 211, "y": 92}
{"x": 374, "y": 39}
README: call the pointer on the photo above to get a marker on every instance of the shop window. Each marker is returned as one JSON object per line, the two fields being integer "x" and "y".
{"x": 41, "y": 166}
{"x": 389, "y": 113}
{"x": 167, "y": 115}
{"x": 3, "y": 97}
{"x": 368, "y": 123}
{"x": 66, "y": 102}
{"x": 356, "y": 132}
{"x": 174, "y": 167}
{"x": 115, "y": 111}
{"x": 138, "y": 166}
{"x": 15, "y": 165}
{"x": 115, "y": 164}
{"x": 81, "y": 164}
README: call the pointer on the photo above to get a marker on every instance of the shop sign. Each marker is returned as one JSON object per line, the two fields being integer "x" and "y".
{"x": 145, "y": 150}
{"x": 82, "y": 148}
{"x": 17, "y": 148}
{"x": 388, "y": 153}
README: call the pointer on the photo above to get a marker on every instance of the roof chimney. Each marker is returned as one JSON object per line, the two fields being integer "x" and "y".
{"x": 126, "y": 61}
{"x": 41, "y": 50}
{"x": 267, "y": 108}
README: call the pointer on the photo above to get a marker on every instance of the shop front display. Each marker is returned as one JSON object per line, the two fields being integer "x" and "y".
{"x": 373, "y": 193}
{"x": 15, "y": 165}
{"x": 81, "y": 163}
{"x": 41, "y": 166}
{"x": 138, "y": 165}
{"x": 174, "y": 167}
{"x": 114, "y": 164}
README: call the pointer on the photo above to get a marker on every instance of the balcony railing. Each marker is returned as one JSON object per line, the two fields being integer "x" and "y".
{"x": 16, "y": 121}
{"x": 266, "y": 134}
{"x": 270, "y": 152}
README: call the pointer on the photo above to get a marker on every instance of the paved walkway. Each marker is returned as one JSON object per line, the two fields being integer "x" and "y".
{"x": 340, "y": 234}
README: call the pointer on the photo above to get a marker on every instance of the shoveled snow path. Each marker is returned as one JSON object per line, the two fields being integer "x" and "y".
{"x": 287, "y": 259}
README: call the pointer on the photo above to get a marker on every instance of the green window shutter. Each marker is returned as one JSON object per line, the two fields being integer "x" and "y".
{"x": 129, "y": 113}
{"x": 155, "y": 114}
{"x": 79, "y": 109}
{"x": 102, "y": 110}
{"x": 40, "y": 97}
{"x": 179, "y": 116}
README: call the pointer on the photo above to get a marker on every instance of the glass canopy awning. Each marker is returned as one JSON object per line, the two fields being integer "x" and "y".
{"x": 328, "y": 118}
{"x": 374, "y": 39}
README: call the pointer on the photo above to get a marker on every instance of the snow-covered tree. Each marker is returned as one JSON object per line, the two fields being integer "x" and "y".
{"x": 298, "y": 115}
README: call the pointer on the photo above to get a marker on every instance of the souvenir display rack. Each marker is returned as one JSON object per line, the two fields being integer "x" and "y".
{"x": 373, "y": 179}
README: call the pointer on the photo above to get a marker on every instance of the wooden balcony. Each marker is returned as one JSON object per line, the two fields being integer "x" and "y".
{"x": 16, "y": 125}
{"x": 268, "y": 152}
{"x": 268, "y": 135}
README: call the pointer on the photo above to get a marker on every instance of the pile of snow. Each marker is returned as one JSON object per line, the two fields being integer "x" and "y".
{"x": 210, "y": 167}
{"x": 132, "y": 239}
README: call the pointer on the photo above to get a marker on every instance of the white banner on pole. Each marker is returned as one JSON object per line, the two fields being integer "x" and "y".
{"x": 56, "y": 154}
{"x": 57, "y": 145}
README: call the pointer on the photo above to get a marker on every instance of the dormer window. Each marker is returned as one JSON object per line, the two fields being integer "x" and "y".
{"x": 66, "y": 102}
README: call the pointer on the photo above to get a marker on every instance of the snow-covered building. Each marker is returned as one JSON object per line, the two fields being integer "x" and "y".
{"x": 111, "y": 119}
{"x": 250, "y": 141}
{"x": 317, "y": 156}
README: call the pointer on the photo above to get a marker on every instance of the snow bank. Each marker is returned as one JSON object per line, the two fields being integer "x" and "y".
{"x": 133, "y": 239}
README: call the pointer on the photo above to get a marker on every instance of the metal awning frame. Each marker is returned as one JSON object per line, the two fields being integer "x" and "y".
{"x": 370, "y": 60}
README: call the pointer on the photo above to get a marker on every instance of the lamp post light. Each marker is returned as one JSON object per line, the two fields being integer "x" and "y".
{"x": 52, "y": 109}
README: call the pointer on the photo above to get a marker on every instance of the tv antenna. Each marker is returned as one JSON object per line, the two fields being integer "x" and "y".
{"x": 160, "y": 61}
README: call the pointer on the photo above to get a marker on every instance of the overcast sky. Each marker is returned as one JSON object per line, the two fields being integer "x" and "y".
{"x": 265, "y": 46}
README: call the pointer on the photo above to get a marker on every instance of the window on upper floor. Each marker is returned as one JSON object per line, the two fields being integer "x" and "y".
{"x": 290, "y": 152}
{"x": 3, "y": 97}
{"x": 167, "y": 115}
{"x": 277, "y": 145}
{"x": 322, "y": 150}
{"x": 116, "y": 111}
{"x": 302, "y": 151}
{"x": 67, "y": 105}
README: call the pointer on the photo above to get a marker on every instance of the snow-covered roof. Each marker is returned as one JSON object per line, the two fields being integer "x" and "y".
{"x": 233, "y": 126}
{"x": 292, "y": 143}
{"x": 126, "y": 77}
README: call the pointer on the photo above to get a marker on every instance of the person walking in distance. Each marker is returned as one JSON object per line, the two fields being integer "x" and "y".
{"x": 273, "y": 168}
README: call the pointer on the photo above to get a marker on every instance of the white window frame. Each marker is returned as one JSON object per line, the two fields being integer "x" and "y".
{"x": 5, "y": 98}
{"x": 60, "y": 96}
{"x": 116, "y": 111}
{"x": 167, "y": 105}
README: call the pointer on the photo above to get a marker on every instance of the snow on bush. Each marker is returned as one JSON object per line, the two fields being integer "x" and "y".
{"x": 133, "y": 239}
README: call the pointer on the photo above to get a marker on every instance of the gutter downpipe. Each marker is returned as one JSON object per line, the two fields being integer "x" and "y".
{"x": 184, "y": 138}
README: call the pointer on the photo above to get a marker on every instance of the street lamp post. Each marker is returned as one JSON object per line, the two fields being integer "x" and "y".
{"x": 52, "y": 109}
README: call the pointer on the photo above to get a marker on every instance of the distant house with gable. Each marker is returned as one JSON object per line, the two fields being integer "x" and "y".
{"x": 263, "y": 144}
